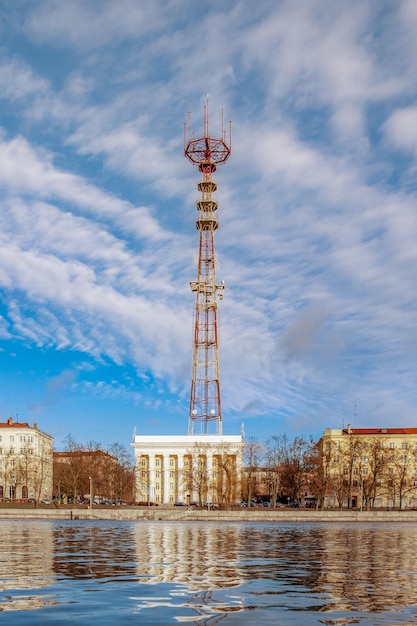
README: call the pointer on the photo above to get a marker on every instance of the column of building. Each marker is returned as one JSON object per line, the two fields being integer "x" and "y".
{"x": 165, "y": 480}
{"x": 151, "y": 478}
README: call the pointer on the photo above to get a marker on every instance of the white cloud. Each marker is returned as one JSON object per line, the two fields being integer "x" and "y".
{"x": 90, "y": 24}
{"x": 316, "y": 241}
{"x": 401, "y": 129}
{"x": 18, "y": 82}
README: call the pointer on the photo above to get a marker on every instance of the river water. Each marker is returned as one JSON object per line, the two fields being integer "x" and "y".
{"x": 110, "y": 573}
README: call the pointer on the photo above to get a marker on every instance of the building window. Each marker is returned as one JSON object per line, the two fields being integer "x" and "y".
{"x": 171, "y": 463}
{"x": 11, "y": 437}
{"x": 392, "y": 444}
{"x": 365, "y": 470}
{"x": 365, "y": 459}
{"x": 404, "y": 445}
{"x": 158, "y": 462}
{"x": 11, "y": 450}
{"x": 157, "y": 474}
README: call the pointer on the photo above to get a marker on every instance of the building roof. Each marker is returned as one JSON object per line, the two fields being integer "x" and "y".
{"x": 11, "y": 424}
{"x": 82, "y": 453}
{"x": 379, "y": 431}
{"x": 16, "y": 425}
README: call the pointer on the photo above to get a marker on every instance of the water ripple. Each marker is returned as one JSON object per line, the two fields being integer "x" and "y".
{"x": 166, "y": 573}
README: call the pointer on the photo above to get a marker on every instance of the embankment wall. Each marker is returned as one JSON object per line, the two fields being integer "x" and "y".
{"x": 199, "y": 515}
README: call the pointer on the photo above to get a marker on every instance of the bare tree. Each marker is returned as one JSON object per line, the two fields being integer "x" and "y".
{"x": 121, "y": 473}
{"x": 296, "y": 466}
{"x": 76, "y": 471}
{"x": 195, "y": 476}
{"x": 319, "y": 477}
{"x": 225, "y": 483}
{"x": 275, "y": 457}
{"x": 252, "y": 456}
{"x": 42, "y": 469}
{"x": 403, "y": 461}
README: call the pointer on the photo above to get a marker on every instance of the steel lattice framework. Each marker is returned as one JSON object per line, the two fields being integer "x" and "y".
{"x": 205, "y": 405}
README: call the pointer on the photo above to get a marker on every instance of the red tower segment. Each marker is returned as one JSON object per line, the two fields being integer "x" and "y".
{"x": 205, "y": 405}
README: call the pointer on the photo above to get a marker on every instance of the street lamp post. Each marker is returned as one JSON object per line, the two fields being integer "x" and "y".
{"x": 91, "y": 492}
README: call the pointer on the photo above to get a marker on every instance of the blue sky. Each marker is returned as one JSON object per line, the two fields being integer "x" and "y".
{"x": 317, "y": 212}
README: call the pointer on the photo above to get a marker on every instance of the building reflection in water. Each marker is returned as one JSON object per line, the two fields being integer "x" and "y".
{"x": 197, "y": 568}
{"x": 203, "y": 571}
{"x": 202, "y": 556}
{"x": 368, "y": 568}
{"x": 94, "y": 550}
{"x": 26, "y": 564}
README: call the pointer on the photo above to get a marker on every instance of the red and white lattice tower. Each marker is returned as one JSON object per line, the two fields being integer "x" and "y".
{"x": 205, "y": 406}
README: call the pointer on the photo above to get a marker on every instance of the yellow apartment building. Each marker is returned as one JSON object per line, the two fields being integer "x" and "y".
{"x": 367, "y": 468}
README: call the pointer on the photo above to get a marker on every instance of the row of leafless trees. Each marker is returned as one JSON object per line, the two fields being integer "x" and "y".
{"x": 359, "y": 473}
{"x": 278, "y": 469}
{"x": 81, "y": 468}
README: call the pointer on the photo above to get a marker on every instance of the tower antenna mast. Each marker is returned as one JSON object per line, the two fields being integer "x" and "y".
{"x": 207, "y": 153}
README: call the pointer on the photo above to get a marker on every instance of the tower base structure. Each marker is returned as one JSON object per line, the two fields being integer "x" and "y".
{"x": 199, "y": 469}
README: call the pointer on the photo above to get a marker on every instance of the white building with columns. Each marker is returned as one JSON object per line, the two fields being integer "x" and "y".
{"x": 192, "y": 468}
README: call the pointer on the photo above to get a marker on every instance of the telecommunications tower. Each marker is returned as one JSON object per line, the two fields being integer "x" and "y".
{"x": 205, "y": 406}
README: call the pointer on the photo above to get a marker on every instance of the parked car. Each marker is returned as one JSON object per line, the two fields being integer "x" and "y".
{"x": 180, "y": 504}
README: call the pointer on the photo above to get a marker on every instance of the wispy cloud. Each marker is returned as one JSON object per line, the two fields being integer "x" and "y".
{"x": 316, "y": 205}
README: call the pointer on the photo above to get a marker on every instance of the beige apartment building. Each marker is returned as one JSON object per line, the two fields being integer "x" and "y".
{"x": 370, "y": 468}
{"x": 191, "y": 468}
{"x": 25, "y": 462}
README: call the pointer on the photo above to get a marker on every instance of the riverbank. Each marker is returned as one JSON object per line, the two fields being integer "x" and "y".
{"x": 203, "y": 515}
